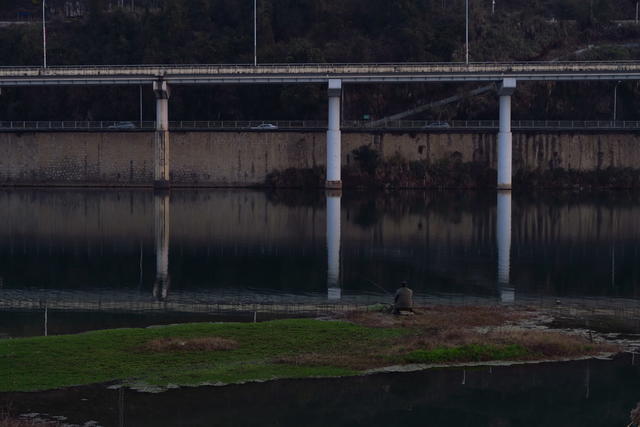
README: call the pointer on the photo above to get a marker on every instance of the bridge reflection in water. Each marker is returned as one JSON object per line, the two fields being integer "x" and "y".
{"x": 161, "y": 212}
{"x": 210, "y": 250}
{"x": 503, "y": 240}
{"x": 334, "y": 291}
{"x": 162, "y": 207}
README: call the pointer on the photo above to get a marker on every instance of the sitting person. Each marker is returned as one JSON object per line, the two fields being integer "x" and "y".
{"x": 403, "y": 300}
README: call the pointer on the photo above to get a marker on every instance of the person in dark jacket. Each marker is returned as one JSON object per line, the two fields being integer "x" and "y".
{"x": 403, "y": 300}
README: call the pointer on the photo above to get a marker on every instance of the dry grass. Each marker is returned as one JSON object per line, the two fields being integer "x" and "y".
{"x": 441, "y": 327}
{"x": 550, "y": 344}
{"x": 442, "y": 317}
{"x": 190, "y": 344}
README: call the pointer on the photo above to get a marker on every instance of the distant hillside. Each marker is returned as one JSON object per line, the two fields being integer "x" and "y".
{"x": 220, "y": 31}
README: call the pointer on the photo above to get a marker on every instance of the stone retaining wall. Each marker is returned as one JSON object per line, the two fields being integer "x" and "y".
{"x": 246, "y": 158}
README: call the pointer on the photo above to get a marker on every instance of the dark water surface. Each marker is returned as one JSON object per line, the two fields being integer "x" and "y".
{"x": 96, "y": 250}
{"x": 75, "y": 260}
{"x": 582, "y": 394}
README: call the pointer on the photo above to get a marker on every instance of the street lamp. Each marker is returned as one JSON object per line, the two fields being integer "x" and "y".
{"x": 255, "y": 34}
{"x": 467, "y": 32}
{"x": 44, "y": 37}
{"x": 615, "y": 101}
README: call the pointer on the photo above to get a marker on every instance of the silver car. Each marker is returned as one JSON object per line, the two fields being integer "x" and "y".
{"x": 265, "y": 126}
{"x": 441, "y": 125}
{"x": 122, "y": 125}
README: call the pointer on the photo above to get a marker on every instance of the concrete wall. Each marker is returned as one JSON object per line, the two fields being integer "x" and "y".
{"x": 245, "y": 158}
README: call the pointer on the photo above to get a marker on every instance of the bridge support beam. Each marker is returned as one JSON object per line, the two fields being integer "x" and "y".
{"x": 161, "y": 228}
{"x": 334, "y": 150}
{"x": 507, "y": 88}
{"x": 334, "y": 292}
{"x": 161, "y": 138}
{"x": 503, "y": 240}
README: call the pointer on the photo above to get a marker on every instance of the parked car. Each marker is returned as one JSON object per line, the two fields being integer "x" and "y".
{"x": 265, "y": 126}
{"x": 441, "y": 125}
{"x": 122, "y": 125}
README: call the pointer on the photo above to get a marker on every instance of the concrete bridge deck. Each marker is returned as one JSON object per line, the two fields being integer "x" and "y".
{"x": 316, "y": 73}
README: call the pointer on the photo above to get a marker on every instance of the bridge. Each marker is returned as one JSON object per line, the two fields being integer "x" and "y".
{"x": 316, "y": 73}
{"x": 162, "y": 77}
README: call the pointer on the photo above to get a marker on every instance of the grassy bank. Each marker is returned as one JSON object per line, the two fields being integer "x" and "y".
{"x": 192, "y": 354}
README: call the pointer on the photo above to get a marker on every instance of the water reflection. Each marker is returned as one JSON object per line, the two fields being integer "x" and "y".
{"x": 548, "y": 394}
{"x": 333, "y": 245}
{"x": 257, "y": 245}
{"x": 161, "y": 213}
{"x": 503, "y": 240}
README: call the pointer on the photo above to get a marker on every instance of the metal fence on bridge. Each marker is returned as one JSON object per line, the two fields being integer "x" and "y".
{"x": 267, "y": 125}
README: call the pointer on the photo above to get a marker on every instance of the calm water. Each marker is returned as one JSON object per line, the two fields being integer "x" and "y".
{"x": 207, "y": 246}
{"x": 582, "y": 394}
{"x": 122, "y": 258}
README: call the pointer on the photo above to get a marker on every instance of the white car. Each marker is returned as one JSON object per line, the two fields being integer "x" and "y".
{"x": 123, "y": 125}
{"x": 443, "y": 125}
{"x": 265, "y": 126}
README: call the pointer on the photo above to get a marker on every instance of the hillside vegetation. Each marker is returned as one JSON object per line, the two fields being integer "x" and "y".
{"x": 220, "y": 31}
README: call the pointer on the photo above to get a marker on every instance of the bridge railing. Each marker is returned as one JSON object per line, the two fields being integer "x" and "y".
{"x": 161, "y": 70}
{"x": 75, "y": 125}
{"x": 270, "y": 125}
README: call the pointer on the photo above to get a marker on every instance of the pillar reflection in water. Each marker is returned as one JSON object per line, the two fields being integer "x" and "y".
{"x": 333, "y": 245}
{"x": 503, "y": 239}
{"x": 161, "y": 213}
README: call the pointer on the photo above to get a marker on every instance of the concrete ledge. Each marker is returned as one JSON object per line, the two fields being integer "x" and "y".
{"x": 333, "y": 185}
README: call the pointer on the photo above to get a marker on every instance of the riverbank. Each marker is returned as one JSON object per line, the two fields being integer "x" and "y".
{"x": 157, "y": 358}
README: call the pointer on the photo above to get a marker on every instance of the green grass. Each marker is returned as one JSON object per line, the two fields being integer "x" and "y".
{"x": 468, "y": 353}
{"x": 292, "y": 348}
{"x": 116, "y": 355}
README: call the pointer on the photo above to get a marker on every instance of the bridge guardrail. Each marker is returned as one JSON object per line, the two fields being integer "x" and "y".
{"x": 157, "y": 70}
{"x": 251, "y": 125}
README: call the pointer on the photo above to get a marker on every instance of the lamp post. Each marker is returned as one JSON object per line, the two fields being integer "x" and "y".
{"x": 467, "y": 32}
{"x": 44, "y": 37}
{"x": 615, "y": 101}
{"x": 255, "y": 34}
{"x": 637, "y": 4}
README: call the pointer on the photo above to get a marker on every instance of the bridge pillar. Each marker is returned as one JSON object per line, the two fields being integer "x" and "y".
{"x": 161, "y": 139}
{"x": 333, "y": 135}
{"x": 507, "y": 88}
{"x": 503, "y": 240}
{"x": 333, "y": 245}
{"x": 161, "y": 229}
